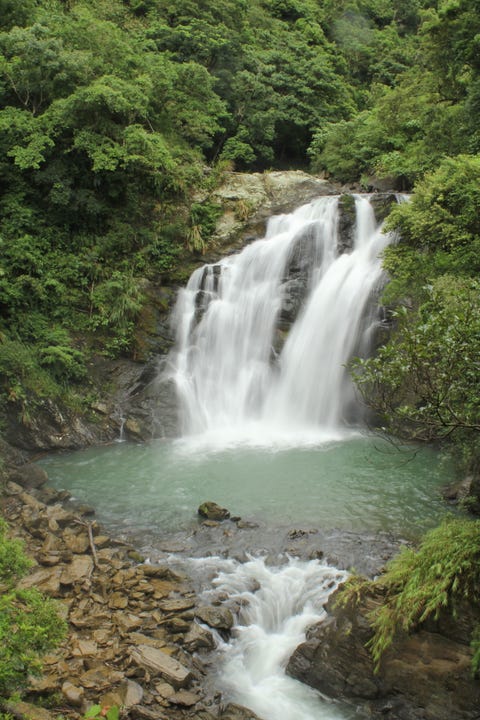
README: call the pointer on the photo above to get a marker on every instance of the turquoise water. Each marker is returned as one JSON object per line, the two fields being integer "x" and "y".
{"x": 360, "y": 483}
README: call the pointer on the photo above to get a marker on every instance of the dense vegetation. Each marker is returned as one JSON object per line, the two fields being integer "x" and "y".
{"x": 112, "y": 114}
{"x": 424, "y": 383}
{"x": 29, "y": 623}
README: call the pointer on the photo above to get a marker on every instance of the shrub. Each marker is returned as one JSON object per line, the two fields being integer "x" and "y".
{"x": 29, "y": 624}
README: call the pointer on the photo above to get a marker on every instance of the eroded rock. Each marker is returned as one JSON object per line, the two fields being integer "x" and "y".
{"x": 161, "y": 664}
{"x": 219, "y": 618}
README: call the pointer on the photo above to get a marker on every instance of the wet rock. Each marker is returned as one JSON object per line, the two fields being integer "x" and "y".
{"x": 346, "y": 223}
{"x": 58, "y": 516}
{"x": 179, "y": 625}
{"x": 246, "y": 525}
{"x": 212, "y": 511}
{"x": 198, "y": 638}
{"x": 467, "y": 491}
{"x": 79, "y": 570}
{"x": 382, "y": 204}
{"x": 50, "y": 496}
{"x": 74, "y": 695}
{"x": 219, "y": 618}
{"x": 161, "y": 664}
{"x": 133, "y": 427}
{"x": 426, "y": 672}
{"x": 29, "y": 476}
{"x": 237, "y": 712}
{"x": 162, "y": 572}
{"x": 211, "y": 523}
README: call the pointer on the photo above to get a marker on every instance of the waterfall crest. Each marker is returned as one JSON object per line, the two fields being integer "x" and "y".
{"x": 233, "y": 367}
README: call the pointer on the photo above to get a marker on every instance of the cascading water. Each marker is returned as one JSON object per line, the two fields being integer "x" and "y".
{"x": 240, "y": 380}
{"x": 277, "y": 605}
{"x": 228, "y": 371}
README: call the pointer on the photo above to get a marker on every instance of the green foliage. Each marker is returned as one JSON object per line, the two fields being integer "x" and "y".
{"x": 22, "y": 373}
{"x": 423, "y": 384}
{"x": 97, "y": 711}
{"x": 439, "y": 576}
{"x": 29, "y": 624}
{"x": 109, "y": 111}
{"x": 423, "y": 96}
{"x": 442, "y": 220}
{"x": 14, "y": 564}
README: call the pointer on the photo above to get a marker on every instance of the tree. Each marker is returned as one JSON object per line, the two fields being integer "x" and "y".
{"x": 423, "y": 382}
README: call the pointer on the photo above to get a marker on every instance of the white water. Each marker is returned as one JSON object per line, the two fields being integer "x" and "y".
{"x": 277, "y": 606}
{"x": 231, "y": 385}
{"x": 234, "y": 388}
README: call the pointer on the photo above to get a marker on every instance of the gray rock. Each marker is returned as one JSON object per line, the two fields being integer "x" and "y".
{"x": 219, "y": 618}
{"x": 198, "y": 638}
{"x": 382, "y": 204}
{"x": 426, "y": 672}
{"x": 162, "y": 664}
{"x": 346, "y": 223}
{"x": 29, "y": 476}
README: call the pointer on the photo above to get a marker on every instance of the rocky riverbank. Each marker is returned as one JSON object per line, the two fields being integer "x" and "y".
{"x": 137, "y": 635}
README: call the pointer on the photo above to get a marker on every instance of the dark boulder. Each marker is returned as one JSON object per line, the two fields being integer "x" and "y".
{"x": 423, "y": 675}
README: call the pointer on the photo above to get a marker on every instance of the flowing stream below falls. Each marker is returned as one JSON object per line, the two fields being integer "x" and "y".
{"x": 272, "y": 430}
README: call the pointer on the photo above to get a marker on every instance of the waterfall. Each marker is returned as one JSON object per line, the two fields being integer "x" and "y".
{"x": 232, "y": 365}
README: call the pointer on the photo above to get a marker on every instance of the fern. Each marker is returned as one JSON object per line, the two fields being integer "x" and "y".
{"x": 421, "y": 584}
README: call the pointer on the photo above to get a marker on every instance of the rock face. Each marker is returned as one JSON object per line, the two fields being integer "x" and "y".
{"x": 426, "y": 675}
{"x": 249, "y": 200}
